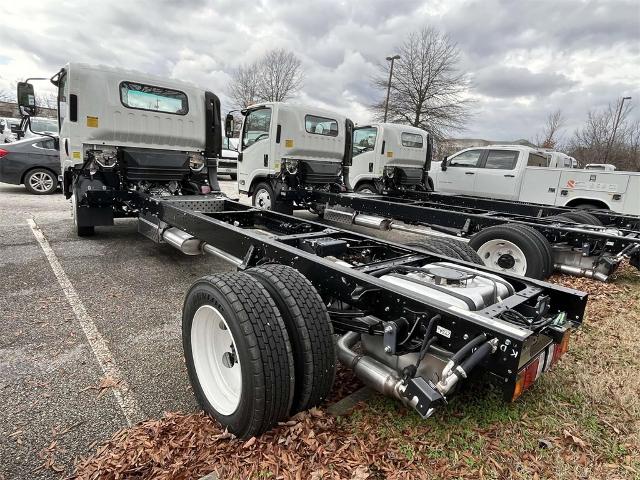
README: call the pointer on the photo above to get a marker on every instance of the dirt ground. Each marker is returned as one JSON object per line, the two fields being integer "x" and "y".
{"x": 61, "y": 418}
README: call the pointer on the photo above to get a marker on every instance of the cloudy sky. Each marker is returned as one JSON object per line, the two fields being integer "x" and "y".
{"x": 524, "y": 58}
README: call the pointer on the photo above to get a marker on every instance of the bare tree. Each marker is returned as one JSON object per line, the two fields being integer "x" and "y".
{"x": 550, "y": 136}
{"x": 47, "y": 100}
{"x": 280, "y": 76}
{"x": 427, "y": 89}
{"x": 7, "y": 96}
{"x": 244, "y": 85}
{"x": 276, "y": 77}
{"x": 589, "y": 143}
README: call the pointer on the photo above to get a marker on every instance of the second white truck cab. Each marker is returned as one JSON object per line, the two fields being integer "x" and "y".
{"x": 389, "y": 156}
{"x": 285, "y": 147}
{"x": 516, "y": 172}
{"x": 561, "y": 160}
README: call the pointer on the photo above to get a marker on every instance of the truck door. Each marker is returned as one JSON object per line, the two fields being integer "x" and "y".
{"x": 255, "y": 147}
{"x": 498, "y": 177}
{"x": 365, "y": 152}
{"x": 460, "y": 175}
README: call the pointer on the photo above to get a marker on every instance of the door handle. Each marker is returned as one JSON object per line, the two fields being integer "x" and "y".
{"x": 509, "y": 175}
{"x": 469, "y": 173}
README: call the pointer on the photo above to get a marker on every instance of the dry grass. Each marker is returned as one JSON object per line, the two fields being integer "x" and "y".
{"x": 580, "y": 421}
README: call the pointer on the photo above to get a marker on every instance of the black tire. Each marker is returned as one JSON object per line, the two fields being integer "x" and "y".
{"x": 274, "y": 204}
{"x": 41, "y": 181}
{"x": 309, "y": 329}
{"x": 366, "y": 188}
{"x": 537, "y": 262}
{"x": 590, "y": 206}
{"x": 261, "y": 345}
{"x": 584, "y": 218}
{"x": 433, "y": 245}
{"x": 465, "y": 252}
{"x": 542, "y": 241}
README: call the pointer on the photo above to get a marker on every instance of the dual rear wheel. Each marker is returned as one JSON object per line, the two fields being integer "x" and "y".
{"x": 258, "y": 345}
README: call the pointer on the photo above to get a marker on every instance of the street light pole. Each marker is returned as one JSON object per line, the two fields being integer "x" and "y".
{"x": 386, "y": 105}
{"x": 615, "y": 127}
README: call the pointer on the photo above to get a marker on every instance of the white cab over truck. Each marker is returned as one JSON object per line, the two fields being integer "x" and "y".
{"x": 123, "y": 131}
{"x": 515, "y": 172}
{"x": 388, "y": 156}
{"x": 285, "y": 147}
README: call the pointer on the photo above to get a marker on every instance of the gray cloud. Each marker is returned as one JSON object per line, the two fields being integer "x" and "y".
{"x": 500, "y": 81}
{"x": 574, "y": 55}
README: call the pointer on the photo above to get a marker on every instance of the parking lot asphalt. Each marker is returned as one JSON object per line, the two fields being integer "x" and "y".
{"x": 90, "y": 339}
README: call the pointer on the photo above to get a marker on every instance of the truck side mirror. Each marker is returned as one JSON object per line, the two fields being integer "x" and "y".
{"x": 229, "y": 125}
{"x": 26, "y": 99}
{"x": 443, "y": 165}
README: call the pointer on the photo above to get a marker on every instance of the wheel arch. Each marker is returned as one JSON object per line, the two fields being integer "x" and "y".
{"x": 575, "y": 202}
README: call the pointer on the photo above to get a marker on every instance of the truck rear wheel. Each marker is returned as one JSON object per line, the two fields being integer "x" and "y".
{"x": 514, "y": 250}
{"x": 309, "y": 329}
{"x": 237, "y": 353}
{"x": 449, "y": 247}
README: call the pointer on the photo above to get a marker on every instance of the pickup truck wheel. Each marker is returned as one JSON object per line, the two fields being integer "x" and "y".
{"x": 581, "y": 217}
{"x": 366, "y": 188}
{"x": 511, "y": 250}
{"x": 40, "y": 181}
{"x": 237, "y": 351}
{"x": 310, "y": 331}
{"x": 80, "y": 231}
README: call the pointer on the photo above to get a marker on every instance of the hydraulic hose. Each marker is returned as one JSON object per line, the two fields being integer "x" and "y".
{"x": 467, "y": 348}
{"x": 476, "y": 357}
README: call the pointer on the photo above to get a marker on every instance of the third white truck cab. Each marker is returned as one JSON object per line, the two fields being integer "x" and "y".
{"x": 285, "y": 147}
{"x": 516, "y": 172}
{"x": 228, "y": 162}
{"x": 389, "y": 156}
{"x": 603, "y": 167}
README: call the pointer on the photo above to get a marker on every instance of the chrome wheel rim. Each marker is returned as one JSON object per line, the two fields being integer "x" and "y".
{"x": 41, "y": 182}
{"x": 366, "y": 191}
{"x": 216, "y": 360}
{"x": 503, "y": 255}
{"x": 263, "y": 199}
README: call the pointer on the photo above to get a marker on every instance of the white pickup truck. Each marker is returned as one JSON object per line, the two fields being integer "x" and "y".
{"x": 515, "y": 172}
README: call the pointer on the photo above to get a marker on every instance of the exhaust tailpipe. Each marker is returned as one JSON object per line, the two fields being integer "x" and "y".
{"x": 190, "y": 245}
{"x": 582, "y": 272}
{"x": 373, "y": 373}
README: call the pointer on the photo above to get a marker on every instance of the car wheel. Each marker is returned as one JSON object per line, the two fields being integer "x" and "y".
{"x": 41, "y": 181}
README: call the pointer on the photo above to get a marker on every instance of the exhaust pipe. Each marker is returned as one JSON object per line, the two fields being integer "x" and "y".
{"x": 582, "y": 272}
{"x": 190, "y": 245}
{"x": 373, "y": 373}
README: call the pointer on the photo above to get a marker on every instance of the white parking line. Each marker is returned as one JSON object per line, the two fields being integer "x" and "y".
{"x": 122, "y": 391}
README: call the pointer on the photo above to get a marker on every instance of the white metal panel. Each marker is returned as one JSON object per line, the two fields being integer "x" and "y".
{"x": 540, "y": 185}
{"x": 104, "y": 120}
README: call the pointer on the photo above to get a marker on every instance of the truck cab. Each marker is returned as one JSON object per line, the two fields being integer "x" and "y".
{"x": 388, "y": 157}
{"x": 124, "y": 132}
{"x": 285, "y": 149}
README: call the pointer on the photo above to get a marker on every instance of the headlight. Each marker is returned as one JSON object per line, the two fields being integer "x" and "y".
{"x": 196, "y": 162}
{"x": 291, "y": 166}
{"x": 389, "y": 171}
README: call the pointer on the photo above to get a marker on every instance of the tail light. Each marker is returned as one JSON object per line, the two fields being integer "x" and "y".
{"x": 3, "y": 152}
{"x": 543, "y": 362}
